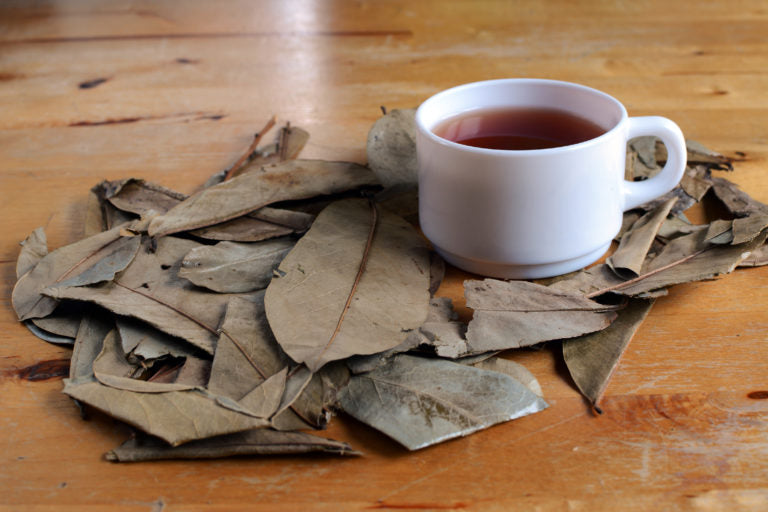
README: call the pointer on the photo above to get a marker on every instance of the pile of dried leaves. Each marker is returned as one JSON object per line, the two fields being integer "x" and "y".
{"x": 232, "y": 321}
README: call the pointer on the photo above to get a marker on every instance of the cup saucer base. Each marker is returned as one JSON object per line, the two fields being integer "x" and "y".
{"x": 515, "y": 271}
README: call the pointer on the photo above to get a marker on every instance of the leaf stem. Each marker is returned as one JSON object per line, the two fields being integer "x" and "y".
{"x": 256, "y": 139}
{"x": 646, "y": 275}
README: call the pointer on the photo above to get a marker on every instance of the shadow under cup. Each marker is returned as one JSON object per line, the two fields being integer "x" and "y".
{"x": 522, "y": 214}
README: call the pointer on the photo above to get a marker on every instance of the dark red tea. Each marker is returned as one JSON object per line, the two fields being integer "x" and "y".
{"x": 518, "y": 128}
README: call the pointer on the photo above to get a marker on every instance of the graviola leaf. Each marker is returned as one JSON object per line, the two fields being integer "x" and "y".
{"x": 591, "y": 359}
{"x": 261, "y": 441}
{"x": 230, "y": 267}
{"x": 33, "y": 249}
{"x": 420, "y": 402}
{"x": 150, "y": 290}
{"x": 83, "y": 262}
{"x": 292, "y": 179}
{"x": 175, "y": 416}
{"x": 518, "y": 313}
{"x": 356, "y": 283}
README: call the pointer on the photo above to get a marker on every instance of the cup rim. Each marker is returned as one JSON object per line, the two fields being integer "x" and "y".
{"x": 427, "y": 131}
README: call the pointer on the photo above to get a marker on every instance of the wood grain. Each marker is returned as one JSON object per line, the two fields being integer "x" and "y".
{"x": 173, "y": 91}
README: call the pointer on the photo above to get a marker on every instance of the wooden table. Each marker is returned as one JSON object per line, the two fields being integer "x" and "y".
{"x": 173, "y": 91}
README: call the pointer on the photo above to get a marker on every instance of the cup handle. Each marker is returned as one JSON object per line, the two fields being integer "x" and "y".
{"x": 639, "y": 192}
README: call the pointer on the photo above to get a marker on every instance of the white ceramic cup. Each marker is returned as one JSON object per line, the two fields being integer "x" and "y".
{"x": 523, "y": 214}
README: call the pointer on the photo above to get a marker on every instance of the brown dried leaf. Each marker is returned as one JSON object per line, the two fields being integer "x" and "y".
{"x": 515, "y": 370}
{"x": 391, "y": 147}
{"x": 738, "y": 202}
{"x": 252, "y": 442}
{"x": 175, "y": 416}
{"x": 354, "y": 284}
{"x": 518, "y": 313}
{"x": 150, "y": 290}
{"x": 112, "y": 369}
{"x": 84, "y": 262}
{"x": 420, "y": 402}
{"x": 141, "y": 197}
{"x": 264, "y": 399}
{"x": 230, "y": 267}
{"x": 246, "y": 353}
{"x": 591, "y": 359}
{"x": 685, "y": 259}
{"x": 33, "y": 249}
{"x": 757, "y": 258}
{"x": 628, "y": 259}
{"x": 88, "y": 344}
{"x": 293, "y": 179}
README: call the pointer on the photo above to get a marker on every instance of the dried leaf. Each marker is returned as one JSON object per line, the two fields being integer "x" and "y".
{"x": 697, "y": 154}
{"x": 64, "y": 321}
{"x": 291, "y": 415}
{"x": 420, "y": 402}
{"x": 195, "y": 372}
{"x": 442, "y": 332}
{"x": 230, "y": 267}
{"x": 354, "y": 284}
{"x": 112, "y": 369}
{"x": 175, "y": 416}
{"x": 308, "y": 401}
{"x": 264, "y": 400}
{"x": 150, "y": 289}
{"x": 685, "y": 259}
{"x": 738, "y": 202}
{"x": 293, "y": 179}
{"x": 402, "y": 199}
{"x": 242, "y": 229}
{"x": 436, "y": 272}
{"x": 83, "y": 262}
{"x": 298, "y": 222}
{"x": 88, "y": 344}
{"x": 246, "y": 353}
{"x": 746, "y": 229}
{"x": 591, "y": 359}
{"x": 33, "y": 249}
{"x": 252, "y": 442}
{"x": 696, "y": 181}
{"x": 391, "y": 147}
{"x": 141, "y": 197}
{"x": 518, "y": 313}
{"x": 48, "y": 336}
{"x": 143, "y": 342}
{"x": 757, "y": 258}
{"x": 515, "y": 370}
{"x": 634, "y": 246}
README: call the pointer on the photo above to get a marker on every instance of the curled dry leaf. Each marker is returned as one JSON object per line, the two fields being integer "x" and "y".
{"x": 591, "y": 359}
{"x": 230, "y": 267}
{"x": 33, "y": 249}
{"x": 391, "y": 147}
{"x": 356, "y": 283}
{"x": 112, "y": 369}
{"x": 150, "y": 290}
{"x": 634, "y": 246}
{"x": 91, "y": 260}
{"x": 420, "y": 402}
{"x": 252, "y": 442}
{"x": 518, "y": 313}
{"x": 738, "y": 202}
{"x": 293, "y": 179}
